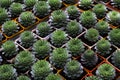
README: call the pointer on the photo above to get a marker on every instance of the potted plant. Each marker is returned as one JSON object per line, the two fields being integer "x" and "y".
{"x": 53, "y": 77}
{"x": 29, "y": 3}
{"x": 116, "y": 3}
{"x": 5, "y": 3}
{"x": 22, "y": 77}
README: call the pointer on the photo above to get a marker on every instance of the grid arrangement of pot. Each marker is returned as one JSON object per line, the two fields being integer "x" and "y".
{"x": 69, "y": 40}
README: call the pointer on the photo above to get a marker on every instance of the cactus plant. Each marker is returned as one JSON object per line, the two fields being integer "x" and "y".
{"x": 89, "y": 58}
{"x": 114, "y": 37}
{"x": 106, "y": 71}
{"x": 73, "y": 69}
{"x": 41, "y": 48}
{"x": 29, "y": 3}
{"x": 59, "y": 57}
{"x": 27, "y": 39}
{"x": 43, "y": 29}
{"x": 53, "y": 77}
{"x": 7, "y": 52}
{"x": 55, "y": 4}
{"x": 103, "y": 47}
{"x": 40, "y": 70}
{"x": 116, "y": 3}
{"x": 41, "y": 9}
{"x": 22, "y": 77}
{"x": 5, "y": 3}
{"x": 92, "y": 78}
{"x": 24, "y": 60}
{"x": 75, "y": 47}
{"x": 10, "y": 27}
{"x": 92, "y": 35}
{"x": 73, "y": 12}
{"x": 58, "y": 19}
{"x": 7, "y": 72}
{"x": 100, "y": 10}
{"x": 69, "y": 1}
{"x": 88, "y": 19}
{"x": 58, "y": 38}
{"x": 27, "y": 18}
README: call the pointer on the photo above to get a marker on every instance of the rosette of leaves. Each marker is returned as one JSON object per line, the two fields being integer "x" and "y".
{"x": 41, "y": 48}
{"x": 106, "y": 71}
{"x": 24, "y": 60}
{"x": 58, "y": 19}
{"x": 89, "y": 58}
{"x": 9, "y": 49}
{"x": 55, "y": 4}
{"x": 53, "y": 77}
{"x": 114, "y": 37}
{"x": 10, "y": 27}
{"x": 73, "y": 12}
{"x": 88, "y": 19}
{"x": 59, "y": 57}
{"x": 43, "y": 29}
{"x": 92, "y": 35}
{"x": 75, "y": 47}
{"x": 29, "y": 3}
{"x": 103, "y": 47}
{"x": 73, "y": 69}
{"x": 7, "y": 72}
{"x": 58, "y": 38}
{"x": 70, "y": 1}
{"x": 40, "y": 70}
{"x": 26, "y": 18}
{"x": 116, "y": 3}
{"x": 41, "y": 9}
{"x": 5, "y": 3}
{"x": 92, "y": 78}
{"x": 100, "y": 10}
{"x": 22, "y": 77}
{"x": 27, "y": 39}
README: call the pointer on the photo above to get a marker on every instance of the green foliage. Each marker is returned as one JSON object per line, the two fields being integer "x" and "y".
{"x": 59, "y": 57}
{"x": 88, "y": 19}
{"x": 22, "y": 77}
{"x": 69, "y": 1}
{"x": 114, "y": 36}
{"x": 116, "y": 3}
{"x": 73, "y": 12}
{"x": 26, "y": 18}
{"x": 58, "y": 38}
{"x": 43, "y": 29}
{"x": 92, "y": 35}
{"x": 7, "y": 72}
{"x": 86, "y": 4}
{"x": 106, "y": 71}
{"x": 100, "y": 10}
{"x": 9, "y": 49}
{"x": 53, "y": 77}
{"x": 73, "y": 69}
{"x": 92, "y": 78}
{"x": 24, "y": 60}
{"x": 41, "y": 48}
{"x": 41, "y": 9}
{"x": 75, "y": 47}
{"x": 55, "y": 4}
{"x": 40, "y": 70}
{"x": 5, "y": 3}
{"x": 27, "y": 39}
{"x": 29, "y": 3}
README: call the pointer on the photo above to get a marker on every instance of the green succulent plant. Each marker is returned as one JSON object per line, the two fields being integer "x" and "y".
{"x": 113, "y": 18}
{"x": 89, "y": 58}
{"x": 88, "y": 19}
{"x": 106, "y": 71}
{"x": 27, "y": 39}
{"x": 92, "y": 78}
{"x": 5, "y": 3}
{"x": 116, "y": 3}
{"x": 73, "y": 69}
{"x": 55, "y": 4}
{"x": 41, "y": 9}
{"x": 16, "y": 8}
{"x": 114, "y": 36}
{"x": 7, "y": 72}
{"x": 29, "y": 3}
{"x": 92, "y": 35}
{"x": 100, "y": 10}
{"x": 103, "y": 47}
{"x": 9, "y": 49}
{"x": 10, "y": 27}
{"x": 27, "y": 18}
{"x": 22, "y": 77}
{"x": 53, "y": 77}
{"x": 73, "y": 12}
{"x": 59, "y": 57}
{"x": 75, "y": 47}
{"x": 41, "y": 48}
{"x": 103, "y": 27}
{"x": 43, "y": 29}
{"x": 40, "y": 70}
{"x": 58, "y": 38}
{"x": 70, "y": 1}
{"x": 3, "y": 15}
{"x": 58, "y": 19}
{"x": 24, "y": 60}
